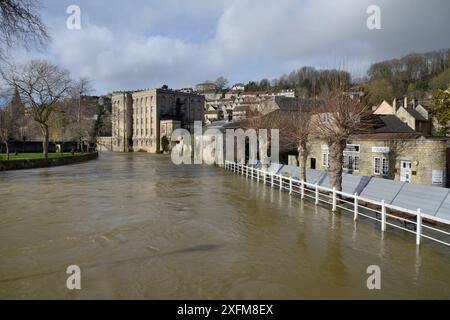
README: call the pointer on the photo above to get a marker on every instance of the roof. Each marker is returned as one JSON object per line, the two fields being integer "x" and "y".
{"x": 223, "y": 125}
{"x": 415, "y": 114}
{"x": 241, "y": 108}
{"x": 387, "y": 136}
{"x": 392, "y": 124}
{"x": 294, "y": 104}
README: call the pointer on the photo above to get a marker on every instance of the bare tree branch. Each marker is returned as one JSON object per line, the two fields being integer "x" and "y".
{"x": 21, "y": 24}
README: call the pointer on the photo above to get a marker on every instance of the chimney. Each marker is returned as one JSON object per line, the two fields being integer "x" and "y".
{"x": 394, "y": 105}
{"x": 415, "y": 104}
{"x": 405, "y": 104}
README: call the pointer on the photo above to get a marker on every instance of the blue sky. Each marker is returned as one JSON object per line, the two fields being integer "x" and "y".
{"x": 140, "y": 44}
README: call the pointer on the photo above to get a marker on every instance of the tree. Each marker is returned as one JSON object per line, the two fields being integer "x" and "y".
{"x": 340, "y": 117}
{"x": 12, "y": 119}
{"x": 440, "y": 111}
{"x": 165, "y": 144}
{"x": 379, "y": 90}
{"x": 441, "y": 81}
{"x": 296, "y": 131}
{"x": 20, "y": 24}
{"x": 42, "y": 85}
{"x": 221, "y": 83}
{"x": 81, "y": 110}
{"x": 259, "y": 122}
{"x": 6, "y": 128}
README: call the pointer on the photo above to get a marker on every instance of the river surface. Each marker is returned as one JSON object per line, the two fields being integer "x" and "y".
{"x": 140, "y": 227}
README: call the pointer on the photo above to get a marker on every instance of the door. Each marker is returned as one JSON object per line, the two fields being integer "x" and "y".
{"x": 405, "y": 171}
{"x": 313, "y": 163}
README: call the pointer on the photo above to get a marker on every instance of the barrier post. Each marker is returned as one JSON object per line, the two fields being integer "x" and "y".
{"x": 334, "y": 199}
{"x": 303, "y": 189}
{"x": 355, "y": 217}
{"x": 317, "y": 193}
{"x": 419, "y": 227}
{"x": 271, "y": 180}
{"x": 290, "y": 185}
{"x": 383, "y": 216}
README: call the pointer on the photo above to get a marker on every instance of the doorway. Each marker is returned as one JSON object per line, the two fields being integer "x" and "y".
{"x": 405, "y": 171}
{"x": 313, "y": 163}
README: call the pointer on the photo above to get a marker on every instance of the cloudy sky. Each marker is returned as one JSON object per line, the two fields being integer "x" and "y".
{"x": 146, "y": 43}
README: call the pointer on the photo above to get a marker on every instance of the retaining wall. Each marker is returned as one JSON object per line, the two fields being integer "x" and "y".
{"x": 42, "y": 163}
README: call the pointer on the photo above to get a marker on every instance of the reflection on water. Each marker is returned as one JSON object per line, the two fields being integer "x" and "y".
{"x": 140, "y": 227}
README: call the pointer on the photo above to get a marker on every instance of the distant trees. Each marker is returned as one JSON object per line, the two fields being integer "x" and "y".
{"x": 379, "y": 90}
{"x": 221, "y": 83}
{"x": 42, "y": 85}
{"x": 414, "y": 75}
{"x": 21, "y": 24}
{"x": 340, "y": 117}
{"x": 440, "y": 111}
{"x": 441, "y": 81}
{"x": 307, "y": 82}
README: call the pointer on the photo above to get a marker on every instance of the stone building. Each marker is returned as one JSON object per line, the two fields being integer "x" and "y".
{"x": 122, "y": 121}
{"x": 142, "y": 118}
{"x": 391, "y": 152}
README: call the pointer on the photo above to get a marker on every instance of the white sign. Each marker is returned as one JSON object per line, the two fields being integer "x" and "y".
{"x": 380, "y": 149}
{"x": 437, "y": 177}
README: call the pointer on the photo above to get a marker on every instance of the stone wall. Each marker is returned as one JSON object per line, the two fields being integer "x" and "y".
{"x": 105, "y": 143}
{"x": 41, "y": 163}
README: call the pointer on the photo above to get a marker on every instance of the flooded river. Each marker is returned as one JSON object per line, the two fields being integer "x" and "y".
{"x": 140, "y": 227}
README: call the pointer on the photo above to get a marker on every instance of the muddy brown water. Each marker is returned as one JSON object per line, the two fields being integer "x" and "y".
{"x": 140, "y": 227}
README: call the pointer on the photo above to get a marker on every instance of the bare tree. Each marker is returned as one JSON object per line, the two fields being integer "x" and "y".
{"x": 20, "y": 24}
{"x": 339, "y": 118}
{"x": 221, "y": 83}
{"x": 42, "y": 85}
{"x": 11, "y": 118}
{"x": 296, "y": 131}
{"x": 260, "y": 122}
{"x": 6, "y": 128}
{"x": 81, "y": 110}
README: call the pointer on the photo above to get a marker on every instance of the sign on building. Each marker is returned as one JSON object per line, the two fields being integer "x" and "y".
{"x": 380, "y": 150}
{"x": 437, "y": 177}
{"x": 352, "y": 148}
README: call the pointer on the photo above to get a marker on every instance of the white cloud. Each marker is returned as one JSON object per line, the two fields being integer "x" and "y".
{"x": 180, "y": 43}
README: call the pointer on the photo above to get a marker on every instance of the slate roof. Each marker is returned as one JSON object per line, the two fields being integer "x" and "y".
{"x": 415, "y": 114}
{"x": 393, "y": 124}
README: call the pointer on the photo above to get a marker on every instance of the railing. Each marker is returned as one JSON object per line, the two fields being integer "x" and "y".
{"x": 422, "y": 225}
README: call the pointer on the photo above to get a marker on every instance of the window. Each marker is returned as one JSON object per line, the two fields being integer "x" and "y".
{"x": 351, "y": 163}
{"x": 325, "y": 160}
{"x": 385, "y": 165}
{"x": 381, "y": 166}
{"x": 377, "y": 166}
{"x": 324, "y": 117}
{"x": 356, "y": 163}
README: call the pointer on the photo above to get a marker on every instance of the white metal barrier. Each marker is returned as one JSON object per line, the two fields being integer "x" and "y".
{"x": 436, "y": 229}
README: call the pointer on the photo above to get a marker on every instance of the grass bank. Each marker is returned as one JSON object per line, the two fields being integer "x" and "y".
{"x": 21, "y": 156}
